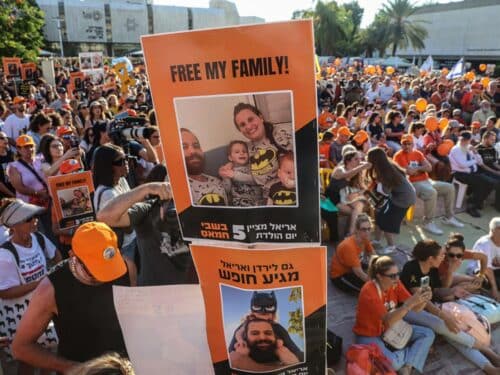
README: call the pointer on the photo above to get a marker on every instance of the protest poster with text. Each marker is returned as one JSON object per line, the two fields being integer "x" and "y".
{"x": 92, "y": 64}
{"x": 71, "y": 197}
{"x": 237, "y": 107}
{"x": 278, "y": 294}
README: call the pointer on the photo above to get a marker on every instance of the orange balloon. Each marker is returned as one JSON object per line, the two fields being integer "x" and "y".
{"x": 485, "y": 81}
{"x": 470, "y": 76}
{"x": 443, "y": 123}
{"x": 431, "y": 123}
{"x": 337, "y": 62}
{"x": 482, "y": 67}
{"x": 445, "y": 147}
{"x": 444, "y": 71}
{"x": 421, "y": 104}
{"x": 351, "y": 69}
{"x": 389, "y": 70}
{"x": 371, "y": 69}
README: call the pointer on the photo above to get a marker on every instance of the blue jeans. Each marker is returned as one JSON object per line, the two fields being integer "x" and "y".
{"x": 461, "y": 341}
{"x": 415, "y": 353}
{"x": 394, "y": 145}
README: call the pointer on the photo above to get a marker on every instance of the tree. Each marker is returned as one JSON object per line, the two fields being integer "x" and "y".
{"x": 373, "y": 38}
{"x": 400, "y": 31}
{"x": 356, "y": 14}
{"x": 295, "y": 318}
{"x": 21, "y": 22}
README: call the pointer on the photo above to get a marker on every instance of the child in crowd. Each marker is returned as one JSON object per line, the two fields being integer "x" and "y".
{"x": 283, "y": 193}
{"x": 238, "y": 181}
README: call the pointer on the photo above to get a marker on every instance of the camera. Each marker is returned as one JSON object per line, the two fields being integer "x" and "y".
{"x": 126, "y": 128}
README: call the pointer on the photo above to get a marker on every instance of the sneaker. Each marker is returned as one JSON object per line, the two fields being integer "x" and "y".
{"x": 474, "y": 212}
{"x": 433, "y": 228}
{"x": 386, "y": 251}
{"x": 453, "y": 222}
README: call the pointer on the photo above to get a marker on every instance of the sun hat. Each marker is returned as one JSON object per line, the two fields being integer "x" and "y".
{"x": 19, "y": 211}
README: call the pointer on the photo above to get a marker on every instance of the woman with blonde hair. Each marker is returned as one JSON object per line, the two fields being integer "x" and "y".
{"x": 108, "y": 364}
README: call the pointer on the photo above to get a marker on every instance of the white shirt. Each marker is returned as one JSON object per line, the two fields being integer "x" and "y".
{"x": 486, "y": 245}
{"x": 32, "y": 263}
{"x": 372, "y": 95}
{"x": 14, "y": 126}
{"x": 386, "y": 92}
{"x": 459, "y": 162}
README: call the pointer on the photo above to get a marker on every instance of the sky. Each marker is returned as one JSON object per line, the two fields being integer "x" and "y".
{"x": 281, "y": 10}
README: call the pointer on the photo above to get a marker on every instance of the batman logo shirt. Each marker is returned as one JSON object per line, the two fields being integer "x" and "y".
{"x": 282, "y": 196}
{"x": 210, "y": 192}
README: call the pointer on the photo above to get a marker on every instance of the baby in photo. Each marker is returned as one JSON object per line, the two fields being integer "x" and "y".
{"x": 283, "y": 193}
{"x": 237, "y": 177}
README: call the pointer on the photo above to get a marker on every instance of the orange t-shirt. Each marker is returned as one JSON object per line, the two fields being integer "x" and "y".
{"x": 324, "y": 150}
{"x": 347, "y": 256}
{"x": 371, "y": 308}
{"x": 414, "y": 159}
{"x": 443, "y": 267}
{"x": 322, "y": 120}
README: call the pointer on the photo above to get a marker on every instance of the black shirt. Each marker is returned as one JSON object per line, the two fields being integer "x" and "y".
{"x": 4, "y": 161}
{"x": 411, "y": 275}
{"x": 488, "y": 154}
{"x": 395, "y": 129}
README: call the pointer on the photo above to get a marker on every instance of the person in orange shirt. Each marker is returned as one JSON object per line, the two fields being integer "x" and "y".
{"x": 326, "y": 118}
{"x": 383, "y": 301}
{"x": 417, "y": 166}
{"x": 351, "y": 257}
{"x": 324, "y": 149}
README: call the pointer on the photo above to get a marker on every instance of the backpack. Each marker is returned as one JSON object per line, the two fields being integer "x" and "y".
{"x": 470, "y": 322}
{"x": 9, "y": 246}
{"x": 367, "y": 360}
{"x": 483, "y": 305}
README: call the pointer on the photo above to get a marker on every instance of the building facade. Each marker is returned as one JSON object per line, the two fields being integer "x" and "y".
{"x": 115, "y": 26}
{"x": 459, "y": 29}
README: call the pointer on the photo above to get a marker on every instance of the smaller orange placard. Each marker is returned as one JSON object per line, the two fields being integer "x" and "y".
{"x": 11, "y": 66}
{"x": 29, "y": 72}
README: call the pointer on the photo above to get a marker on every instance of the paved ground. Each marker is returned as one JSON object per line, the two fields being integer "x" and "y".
{"x": 444, "y": 359}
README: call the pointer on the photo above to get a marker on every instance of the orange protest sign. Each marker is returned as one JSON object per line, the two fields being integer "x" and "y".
{"x": 286, "y": 288}
{"x": 11, "y": 66}
{"x": 71, "y": 198}
{"x": 29, "y": 72}
{"x": 254, "y": 96}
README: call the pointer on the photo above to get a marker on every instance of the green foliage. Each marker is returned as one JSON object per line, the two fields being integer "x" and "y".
{"x": 21, "y": 22}
{"x": 295, "y": 295}
{"x": 295, "y": 318}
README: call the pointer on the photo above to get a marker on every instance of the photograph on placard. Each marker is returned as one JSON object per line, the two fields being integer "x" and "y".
{"x": 74, "y": 201}
{"x": 264, "y": 329}
{"x": 239, "y": 149}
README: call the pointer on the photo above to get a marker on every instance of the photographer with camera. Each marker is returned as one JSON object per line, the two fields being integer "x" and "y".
{"x": 149, "y": 210}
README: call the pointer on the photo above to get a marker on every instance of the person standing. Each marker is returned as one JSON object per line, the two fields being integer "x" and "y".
{"x": 18, "y": 122}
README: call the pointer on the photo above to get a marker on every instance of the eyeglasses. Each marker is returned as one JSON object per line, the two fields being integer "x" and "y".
{"x": 365, "y": 229}
{"x": 392, "y": 276}
{"x": 119, "y": 163}
{"x": 453, "y": 255}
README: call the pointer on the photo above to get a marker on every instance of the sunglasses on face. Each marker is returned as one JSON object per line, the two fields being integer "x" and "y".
{"x": 3, "y": 138}
{"x": 120, "y": 162}
{"x": 392, "y": 276}
{"x": 453, "y": 255}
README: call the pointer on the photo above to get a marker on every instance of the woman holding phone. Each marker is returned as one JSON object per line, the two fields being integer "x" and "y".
{"x": 422, "y": 274}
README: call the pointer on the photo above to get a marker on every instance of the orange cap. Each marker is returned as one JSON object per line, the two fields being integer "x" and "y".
{"x": 360, "y": 137}
{"x": 24, "y": 140}
{"x": 96, "y": 246}
{"x": 63, "y": 130}
{"x": 344, "y": 130}
{"x": 406, "y": 138}
{"x": 341, "y": 121}
{"x": 19, "y": 100}
{"x": 445, "y": 147}
{"x": 70, "y": 166}
{"x": 475, "y": 124}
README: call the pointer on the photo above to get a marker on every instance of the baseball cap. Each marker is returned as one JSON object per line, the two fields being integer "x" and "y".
{"x": 453, "y": 124}
{"x": 407, "y": 138}
{"x": 341, "y": 120}
{"x": 457, "y": 112}
{"x": 24, "y": 140}
{"x": 19, "y": 211}
{"x": 69, "y": 166}
{"x": 63, "y": 130}
{"x": 131, "y": 99}
{"x": 18, "y": 100}
{"x": 344, "y": 130}
{"x": 475, "y": 124}
{"x": 476, "y": 86}
{"x": 360, "y": 137}
{"x": 96, "y": 246}
{"x": 61, "y": 90}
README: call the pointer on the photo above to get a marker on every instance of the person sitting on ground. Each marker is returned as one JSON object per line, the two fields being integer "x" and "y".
{"x": 383, "y": 301}
{"x": 417, "y": 167}
{"x": 351, "y": 257}
{"x": 428, "y": 256}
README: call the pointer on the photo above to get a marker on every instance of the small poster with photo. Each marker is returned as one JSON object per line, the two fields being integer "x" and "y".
{"x": 29, "y": 72}
{"x": 11, "y": 67}
{"x": 72, "y": 199}
{"x": 240, "y": 123}
{"x": 266, "y": 308}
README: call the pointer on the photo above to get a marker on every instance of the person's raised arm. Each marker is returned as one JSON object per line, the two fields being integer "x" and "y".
{"x": 115, "y": 212}
{"x": 39, "y": 313}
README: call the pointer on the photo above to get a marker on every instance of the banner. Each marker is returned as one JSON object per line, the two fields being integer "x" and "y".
{"x": 29, "y": 72}
{"x": 11, "y": 66}
{"x": 240, "y": 123}
{"x": 92, "y": 64}
{"x": 179, "y": 343}
{"x": 71, "y": 194}
{"x": 265, "y": 309}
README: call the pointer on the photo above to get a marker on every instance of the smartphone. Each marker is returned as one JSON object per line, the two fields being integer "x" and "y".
{"x": 424, "y": 282}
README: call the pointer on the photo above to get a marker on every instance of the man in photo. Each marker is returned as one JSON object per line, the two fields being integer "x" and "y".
{"x": 13, "y": 70}
{"x": 206, "y": 190}
{"x": 260, "y": 349}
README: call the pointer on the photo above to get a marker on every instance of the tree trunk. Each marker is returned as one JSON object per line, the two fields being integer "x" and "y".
{"x": 394, "y": 49}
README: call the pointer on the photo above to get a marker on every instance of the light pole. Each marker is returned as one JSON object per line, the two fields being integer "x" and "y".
{"x": 58, "y": 20}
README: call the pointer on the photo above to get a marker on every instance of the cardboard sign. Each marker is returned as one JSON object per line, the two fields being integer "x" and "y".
{"x": 29, "y": 72}
{"x": 11, "y": 66}
{"x": 279, "y": 292}
{"x": 71, "y": 198}
{"x": 240, "y": 122}
{"x": 76, "y": 79}
{"x": 92, "y": 64}
{"x": 24, "y": 88}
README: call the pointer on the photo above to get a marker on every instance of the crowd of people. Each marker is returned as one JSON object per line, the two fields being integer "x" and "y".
{"x": 386, "y": 142}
